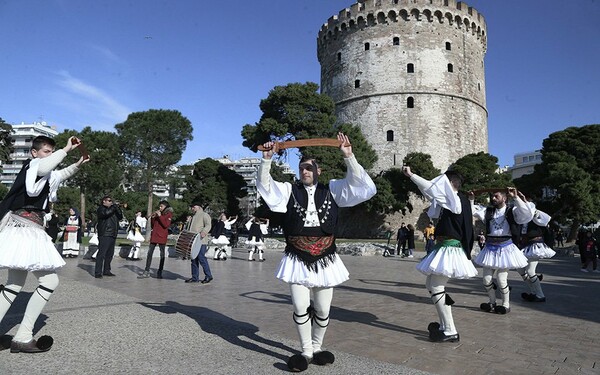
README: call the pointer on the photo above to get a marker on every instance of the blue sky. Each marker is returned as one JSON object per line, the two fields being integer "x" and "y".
{"x": 76, "y": 63}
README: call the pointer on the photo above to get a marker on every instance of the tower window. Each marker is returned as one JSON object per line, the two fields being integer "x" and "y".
{"x": 367, "y": 46}
{"x": 479, "y": 86}
{"x": 339, "y": 56}
{"x": 396, "y": 41}
{"x": 410, "y": 68}
{"x": 410, "y": 102}
{"x": 390, "y": 135}
{"x": 450, "y": 68}
{"x": 357, "y": 83}
{"x": 448, "y": 46}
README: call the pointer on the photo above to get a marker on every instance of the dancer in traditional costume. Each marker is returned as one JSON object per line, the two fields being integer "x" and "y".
{"x": 450, "y": 257}
{"x": 220, "y": 239}
{"x": 134, "y": 234}
{"x": 72, "y": 234}
{"x": 310, "y": 264}
{"x": 24, "y": 245}
{"x": 535, "y": 247}
{"x": 256, "y": 229}
{"x": 501, "y": 253}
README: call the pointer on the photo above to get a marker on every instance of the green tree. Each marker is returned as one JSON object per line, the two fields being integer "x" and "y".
{"x": 152, "y": 142}
{"x": 103, "y": 174}
{"x": 6, "y": 147}
{"x": 215, "y": 185}
{"x": 480, "y": 171}
{"x": 570, "y": 160}
{"x": 298, "y": 111}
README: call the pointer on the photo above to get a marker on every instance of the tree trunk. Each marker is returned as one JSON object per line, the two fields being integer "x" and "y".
{"x": 82, "y": 209}
{"x": 149, "y": 212}
{"x": 574, "y": 230}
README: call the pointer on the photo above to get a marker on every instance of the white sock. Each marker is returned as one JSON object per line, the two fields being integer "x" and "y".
{"x": 488, "y": 274}
{"x": 47, "y": 280}
{"x": 502, "y": 278}
{"x": 322, "y": 298}
{"x": 301, "y": 302}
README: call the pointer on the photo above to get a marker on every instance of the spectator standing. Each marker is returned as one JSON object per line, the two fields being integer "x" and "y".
{"x": 200, "y": 223}
{"x": 401, "y": 237}
{"x": 428, "y": 233}
{"x": 410, "y": 239}
{"x": 141, "y": 221}
{"x": 108, "y": 214}
{"x": 588, "y": 246}
{"x": 52, "y": 225}
{"x": 560, "y": 238}
{"x": 160, "y": 221}
{"x": 72, "y": 234}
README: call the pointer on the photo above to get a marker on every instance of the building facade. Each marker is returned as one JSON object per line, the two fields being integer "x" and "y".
{"x": 525, "y": 162}
{"x": 22, "y": 135}
{"x": 248, "y": 169}
{"x": 410, "y": 74}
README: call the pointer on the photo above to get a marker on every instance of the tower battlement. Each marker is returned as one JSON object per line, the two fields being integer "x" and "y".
{"x": 366, "y": 13}
{"x": 410, "y": 74}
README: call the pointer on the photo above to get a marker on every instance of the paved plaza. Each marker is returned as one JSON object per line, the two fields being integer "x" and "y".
{"x": 241, "y": 323}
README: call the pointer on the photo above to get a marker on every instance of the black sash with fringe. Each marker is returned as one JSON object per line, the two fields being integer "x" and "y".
{"x": 312, "y": 247}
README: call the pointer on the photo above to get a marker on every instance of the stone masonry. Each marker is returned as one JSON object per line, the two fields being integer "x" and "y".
{"x": 410, "y": 74}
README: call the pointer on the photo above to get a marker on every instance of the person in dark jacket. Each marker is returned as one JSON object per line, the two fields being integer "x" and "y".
{"x": 109, "y": 214}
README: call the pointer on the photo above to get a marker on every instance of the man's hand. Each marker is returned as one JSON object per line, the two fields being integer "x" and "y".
{"x": 82, "y": 160}
{"x": 345, "y": 147}
{"x": 270, "y": 149}
{"x": 471, "y": 195}
{"x": 72, "y": 143}
{"x": 406, "y": 170}
{"x": 522, "y": 196}
{"x": 512, "y": 192}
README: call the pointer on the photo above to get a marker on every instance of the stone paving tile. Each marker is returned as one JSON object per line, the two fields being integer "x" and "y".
{"x": 382, "y": 312}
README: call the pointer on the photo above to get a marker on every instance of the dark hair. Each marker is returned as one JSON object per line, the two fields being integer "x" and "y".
{"x": 41, "y": 140}
{"x": 165, "y": 203}
{"x": 456, "y": 179}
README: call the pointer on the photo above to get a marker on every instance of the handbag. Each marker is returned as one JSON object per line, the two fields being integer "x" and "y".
{"x": 94, "y": 240}
{"x": 71, "y": 228}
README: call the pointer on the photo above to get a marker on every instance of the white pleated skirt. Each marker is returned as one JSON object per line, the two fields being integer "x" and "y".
{"x": 251, "y": 242}
{"x": 449, "y": 261}
{"x": 135, "y": 237}
{"x": 294, "y": 271}
{"x": 25, "y": 245}
{"x": 538, "y": 251}
{"x": 221, "y": 240}
{"x": 501, "y": 257}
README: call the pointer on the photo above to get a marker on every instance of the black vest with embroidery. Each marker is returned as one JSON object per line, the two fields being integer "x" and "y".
{"x": 457, "y": 226}
{"x": 515, "y": 229}
{"x": 17, "y": 197}
{"x": 293, "y": 224}
{"x": 535, "y": 231}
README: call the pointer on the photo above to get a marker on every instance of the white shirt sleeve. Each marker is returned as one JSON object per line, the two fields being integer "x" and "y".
{"x": 355, "y": 188}
{"x": 440, "y": 192}
{"x": 276, "y": 194}
{"x": 521, "y": 211}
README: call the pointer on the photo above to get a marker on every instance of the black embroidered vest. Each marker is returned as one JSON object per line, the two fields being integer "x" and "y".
{"x": 457, "y": 226}
{"x": 17, "y": 197}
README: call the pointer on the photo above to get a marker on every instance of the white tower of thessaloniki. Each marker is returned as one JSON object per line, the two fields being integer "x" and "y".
{"x": 410, "y": 74}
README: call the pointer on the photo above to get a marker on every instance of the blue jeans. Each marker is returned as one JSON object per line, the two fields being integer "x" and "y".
{"x": 200, "y": 260}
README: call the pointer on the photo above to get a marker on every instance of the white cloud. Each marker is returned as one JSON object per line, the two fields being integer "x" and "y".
{"x": 106, "y": 53}
{"x": 88, "y": 104}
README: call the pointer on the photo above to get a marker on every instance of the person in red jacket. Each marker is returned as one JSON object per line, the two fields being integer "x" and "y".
{"x": 160, "y": 221}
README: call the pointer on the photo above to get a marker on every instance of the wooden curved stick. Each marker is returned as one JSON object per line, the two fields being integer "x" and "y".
{"x": 489, "y": 190}
{"x": 82, "y": 149}
{"x": 330, "y": 142}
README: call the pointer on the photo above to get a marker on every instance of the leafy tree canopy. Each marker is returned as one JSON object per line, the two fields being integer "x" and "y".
{"x": 480, "y": 171}
{"x": 298, "y": 111}
{"x": 6, "y": 147}
{"x": 570, "y": 172}
{"x": 215, "y": 185}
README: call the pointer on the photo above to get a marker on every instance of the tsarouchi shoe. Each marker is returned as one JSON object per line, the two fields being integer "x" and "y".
{"x": 43, "y": 344}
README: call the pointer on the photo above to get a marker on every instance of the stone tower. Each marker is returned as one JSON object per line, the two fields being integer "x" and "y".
{"x": 410, "y": 73}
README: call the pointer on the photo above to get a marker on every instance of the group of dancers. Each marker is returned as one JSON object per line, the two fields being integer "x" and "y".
{"x": 515, "y": 240}
{"x": 310, "y": 264}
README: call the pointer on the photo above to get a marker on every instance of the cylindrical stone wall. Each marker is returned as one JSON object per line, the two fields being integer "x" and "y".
{"x": 410, "y": 73}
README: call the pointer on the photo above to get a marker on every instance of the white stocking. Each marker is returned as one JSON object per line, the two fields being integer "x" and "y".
{"x": 322, "y": 298}
{"x": 436, "y": 284}
{"x": 301, "y": 302}
{"x": 488, "y": 284}
{"x": 48, "y": 281}
{"x": 14, "y": 284}
{"x": 536, "y": 286}
{"x": 250, "y": 254}
{"x": 502, "y": 278}
{"x": 524, "y": 274}
{"x": 260, "y": 254}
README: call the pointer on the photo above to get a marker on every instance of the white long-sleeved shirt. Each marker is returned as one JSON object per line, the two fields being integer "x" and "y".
{"x": 44, "y": 168}
{"x": 500, "y": 226}
{"x": 440, "y": 193}
{"x": 355, "y": 188}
